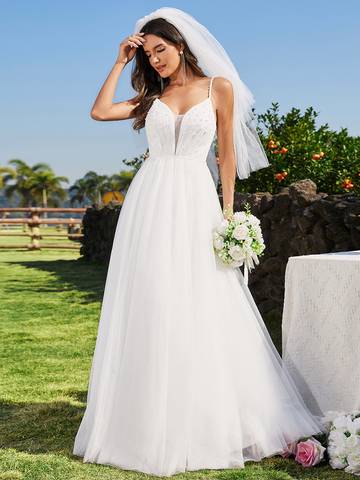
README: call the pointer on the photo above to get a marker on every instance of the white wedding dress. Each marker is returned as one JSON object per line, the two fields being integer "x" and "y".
{"x": 184, "y": 374}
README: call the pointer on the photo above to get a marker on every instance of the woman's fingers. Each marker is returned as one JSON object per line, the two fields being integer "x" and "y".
{"x": 136, "y": 40}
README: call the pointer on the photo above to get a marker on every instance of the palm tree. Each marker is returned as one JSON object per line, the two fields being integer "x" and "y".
{"x": 79, "y": 192}
{"x": 119, "y": 182}
{"x": 4, "y": 173}
{"x": 92, "y": 186}
{"x": 96, "y": 184}
{"x": 19, "y": 180}
{"x": 46, "y": 186}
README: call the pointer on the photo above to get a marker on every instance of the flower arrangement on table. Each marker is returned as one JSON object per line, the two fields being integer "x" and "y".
{"x": 342, "y": 444}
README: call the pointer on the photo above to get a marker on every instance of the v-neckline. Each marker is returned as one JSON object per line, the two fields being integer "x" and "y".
{"x": 187, "y": 111}
{"x": 174, "y": 116}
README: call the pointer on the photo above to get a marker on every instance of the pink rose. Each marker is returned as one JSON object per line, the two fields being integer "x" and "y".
{"x": 309, "y": 453}
{"x": 289, "y": 450}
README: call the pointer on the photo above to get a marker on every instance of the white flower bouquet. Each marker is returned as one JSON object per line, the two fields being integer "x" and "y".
{"x": 342, "y": 440}
{"x": 238, "y": 241}
{"x": 344, "y": 443}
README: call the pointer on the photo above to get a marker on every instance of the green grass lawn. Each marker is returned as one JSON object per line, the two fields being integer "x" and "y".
{"x": 50, "y": 304}
{"x": 9, "y": 236}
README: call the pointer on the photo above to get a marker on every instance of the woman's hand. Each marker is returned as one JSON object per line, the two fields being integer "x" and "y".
{"x": 128, "y": 47}
{"x": 228, "y": 212}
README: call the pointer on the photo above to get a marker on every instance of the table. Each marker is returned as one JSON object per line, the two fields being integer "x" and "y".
{"x": 321, "y": 329}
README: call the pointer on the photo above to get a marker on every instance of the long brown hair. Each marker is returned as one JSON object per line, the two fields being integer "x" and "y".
{"x": 144, "y": 78}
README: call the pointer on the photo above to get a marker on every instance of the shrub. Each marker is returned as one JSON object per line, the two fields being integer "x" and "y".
{"x": 297, "y": 149}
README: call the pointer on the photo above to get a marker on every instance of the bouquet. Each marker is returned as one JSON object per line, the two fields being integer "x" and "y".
{"x": 238, "y": 241}
{"x": 344, "y": 443}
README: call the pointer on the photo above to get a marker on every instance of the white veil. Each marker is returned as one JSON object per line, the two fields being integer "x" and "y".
{"x": 214, "y": 61}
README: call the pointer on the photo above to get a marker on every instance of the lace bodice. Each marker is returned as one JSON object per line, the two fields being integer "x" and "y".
{"x": 189, "y": 134}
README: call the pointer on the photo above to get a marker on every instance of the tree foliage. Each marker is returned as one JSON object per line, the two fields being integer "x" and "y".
{"x": 298, "y": 149}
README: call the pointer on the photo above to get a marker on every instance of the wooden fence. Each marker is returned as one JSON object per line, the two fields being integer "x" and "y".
{"x": 32, "y": 223}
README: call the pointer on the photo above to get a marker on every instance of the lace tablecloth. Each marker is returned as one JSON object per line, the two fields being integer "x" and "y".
{"x": 321, "y": 329}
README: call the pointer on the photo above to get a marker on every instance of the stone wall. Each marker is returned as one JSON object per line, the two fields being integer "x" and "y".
{"x": 99, "y": 225}
{"x": 297, "y": 221}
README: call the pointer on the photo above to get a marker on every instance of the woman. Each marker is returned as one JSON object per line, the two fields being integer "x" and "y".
{"x": 184, "y": 374}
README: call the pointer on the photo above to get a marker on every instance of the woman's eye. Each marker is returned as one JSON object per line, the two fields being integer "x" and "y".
{"x": 159, "y": 51}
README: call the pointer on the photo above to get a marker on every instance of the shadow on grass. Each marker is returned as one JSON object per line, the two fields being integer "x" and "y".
{"x": 41, "y": 427}
{"x": 87, "y": 278}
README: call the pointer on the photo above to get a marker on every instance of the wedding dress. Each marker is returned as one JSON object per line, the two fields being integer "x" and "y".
{"x": 184, "y": 373}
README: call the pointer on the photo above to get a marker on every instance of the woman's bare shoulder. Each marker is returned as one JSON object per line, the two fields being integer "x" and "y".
{"x": 222, "y": 86}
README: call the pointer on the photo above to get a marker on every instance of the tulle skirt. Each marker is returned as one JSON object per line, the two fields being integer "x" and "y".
{"x": 184, "y": 373}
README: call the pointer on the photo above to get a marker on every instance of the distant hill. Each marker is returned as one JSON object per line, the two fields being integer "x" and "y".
{"x": 4, "y": 202}
{"x": 15, "y": 202}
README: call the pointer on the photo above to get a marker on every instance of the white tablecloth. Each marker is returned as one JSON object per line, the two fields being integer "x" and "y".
{"x": 321, "y": 329}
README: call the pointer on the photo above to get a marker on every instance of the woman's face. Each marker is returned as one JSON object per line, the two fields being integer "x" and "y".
{"x": 163, "y": 56}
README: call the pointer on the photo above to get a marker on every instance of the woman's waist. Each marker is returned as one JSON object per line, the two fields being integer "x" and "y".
{"x": 197, "y": 157}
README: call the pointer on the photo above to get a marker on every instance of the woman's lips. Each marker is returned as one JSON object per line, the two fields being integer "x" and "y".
{"x": 160, "y": 69}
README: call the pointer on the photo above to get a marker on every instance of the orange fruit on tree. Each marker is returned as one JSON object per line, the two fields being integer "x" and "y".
{"x": 347, "y": 184}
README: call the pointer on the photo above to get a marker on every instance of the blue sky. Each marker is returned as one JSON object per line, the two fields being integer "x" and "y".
{"x": 55, "y": 56}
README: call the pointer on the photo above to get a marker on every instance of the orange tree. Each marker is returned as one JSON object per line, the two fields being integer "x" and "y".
{"x": 297, "y": 149}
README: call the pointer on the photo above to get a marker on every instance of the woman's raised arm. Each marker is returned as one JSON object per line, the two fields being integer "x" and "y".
{"x": 104, "y": 108}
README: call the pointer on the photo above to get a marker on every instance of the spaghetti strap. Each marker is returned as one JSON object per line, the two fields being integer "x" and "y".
{"x": 211, "y": 80}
